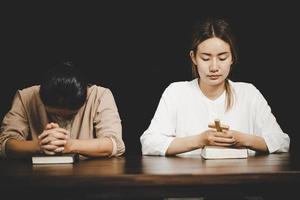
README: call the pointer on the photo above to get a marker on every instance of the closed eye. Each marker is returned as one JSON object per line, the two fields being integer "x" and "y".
{"x": 222, "y": 59}
{"x": 205, "y": 59}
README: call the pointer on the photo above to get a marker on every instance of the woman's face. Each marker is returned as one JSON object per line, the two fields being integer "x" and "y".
{"x": 213, "y": 59}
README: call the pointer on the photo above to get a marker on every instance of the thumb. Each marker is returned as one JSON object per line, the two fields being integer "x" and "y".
{"x": 48, "y": 126}
{"x": 54, "y": 125}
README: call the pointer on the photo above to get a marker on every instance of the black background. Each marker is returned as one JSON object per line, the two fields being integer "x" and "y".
{"x": 137, "y": 48}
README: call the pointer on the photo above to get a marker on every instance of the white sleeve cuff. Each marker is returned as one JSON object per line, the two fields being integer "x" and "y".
{"x": 271, "y": 143}
{"x": 165, "y": 145}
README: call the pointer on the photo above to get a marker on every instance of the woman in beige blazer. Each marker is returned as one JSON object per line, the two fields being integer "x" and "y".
{"x": 62, "y": 115}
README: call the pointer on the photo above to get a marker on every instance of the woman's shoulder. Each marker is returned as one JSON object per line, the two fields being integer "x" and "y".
{"x": 181, "y": 86}
{"x": 244, "y": 87}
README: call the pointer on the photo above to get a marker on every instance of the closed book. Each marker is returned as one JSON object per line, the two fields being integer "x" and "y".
{"x": 216, "y": 152}
{"x": 54, "y": 159}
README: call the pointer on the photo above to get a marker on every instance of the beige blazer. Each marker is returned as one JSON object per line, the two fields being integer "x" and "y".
{"x": 97, "y": 118}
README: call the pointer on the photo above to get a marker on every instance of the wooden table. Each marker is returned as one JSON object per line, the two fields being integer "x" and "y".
{"x": 141, "y": 177}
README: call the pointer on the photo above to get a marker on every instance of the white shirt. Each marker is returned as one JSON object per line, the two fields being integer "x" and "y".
{"x": 184, "y": 110}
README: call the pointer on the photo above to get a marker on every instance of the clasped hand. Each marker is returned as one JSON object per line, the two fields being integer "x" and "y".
{"x": 53, "y": 139}
{"x": 224, "y": 138}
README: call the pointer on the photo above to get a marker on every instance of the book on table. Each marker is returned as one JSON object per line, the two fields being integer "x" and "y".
{"x": 216, "y": 152}
{"x": 54, "y": 159}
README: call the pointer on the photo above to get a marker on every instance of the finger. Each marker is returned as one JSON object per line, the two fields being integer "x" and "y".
{"x": 212, "y": 126}
{"x": 61, "y": 130}
{"x": 53, "y": 135}
{"x": 224, "y": 140}
{"x": 53, "y": 132}
{"x": 47, "y": 140}
{"x": 48, "y": 152}
{"x": 217, "y": 134}
{"x": 54, "y": 125}
{"x": 48, "y": 126}
{"x": 59, "y": 136}
{"x": 223, "y": 135}
{"x": 49, "y": 147}
{"x": 223, "y": 144}
{"x": 225, "y": 127}
{"x": 58, "y": 142}
{"x": 44, "y": 134}
{"x": 59, "y": 149}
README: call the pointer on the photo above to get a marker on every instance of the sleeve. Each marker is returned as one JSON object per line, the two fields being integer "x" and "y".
{"x": 14, "y": 124}
{"x": 267, "y": 126}
{"x": 159, "y": 135}
{"x": 107, "y": 122}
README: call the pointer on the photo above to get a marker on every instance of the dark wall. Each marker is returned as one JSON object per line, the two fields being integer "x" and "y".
{"x": 138, "y": 48}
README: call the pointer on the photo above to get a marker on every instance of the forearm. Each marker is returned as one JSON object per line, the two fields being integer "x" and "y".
{"x": 185, "y": 144}
{"x": 253, "y": 142}
{"x": 90, "y": 147}
{"x": 21, "y": 148}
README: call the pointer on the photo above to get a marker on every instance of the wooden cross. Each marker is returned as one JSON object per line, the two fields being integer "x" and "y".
{"x": 218, "y": 126}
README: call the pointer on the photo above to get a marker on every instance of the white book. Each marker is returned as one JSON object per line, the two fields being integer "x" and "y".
{"x": 54, "y": 159}
{"x": 216, "y": 152}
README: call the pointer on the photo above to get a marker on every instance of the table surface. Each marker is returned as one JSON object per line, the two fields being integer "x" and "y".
{"x": 156, "y": 176}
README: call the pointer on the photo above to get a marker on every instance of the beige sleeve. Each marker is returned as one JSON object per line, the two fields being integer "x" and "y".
{"x": 108, "y": 123}
{"x": 14, "y": 125}
{"x": 114, "y": 151}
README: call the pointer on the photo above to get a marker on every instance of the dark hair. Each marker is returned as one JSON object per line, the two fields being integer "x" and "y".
{"x": 219, "y": 28}
{"x": 63, "y": 86}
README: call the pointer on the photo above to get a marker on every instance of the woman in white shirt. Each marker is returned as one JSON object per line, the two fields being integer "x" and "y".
{"x": 180, "y": 124}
